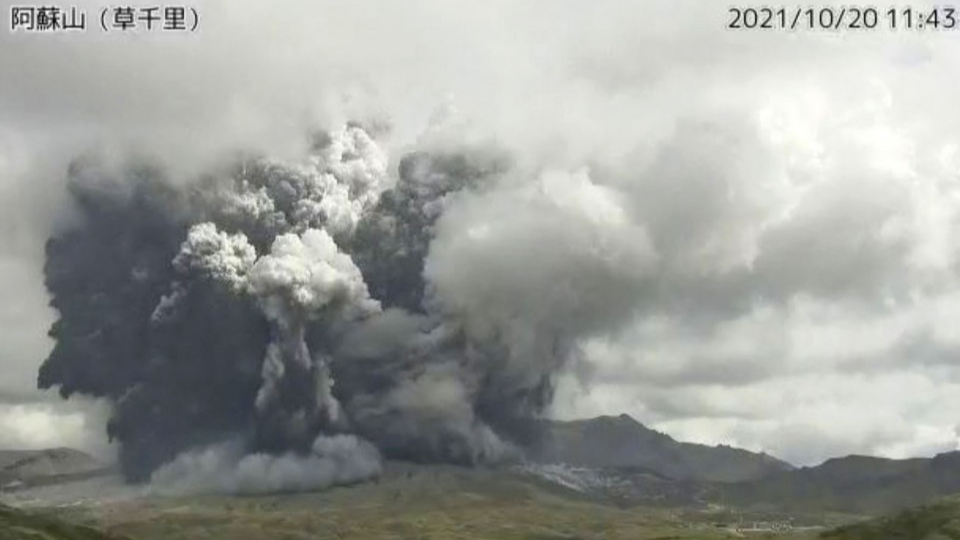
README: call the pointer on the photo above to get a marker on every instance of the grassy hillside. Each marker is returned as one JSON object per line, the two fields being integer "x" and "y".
{"x": 18, "y": 525}
{"x": 935, "y": 521}
{"x": 854, "y": 484}
{"x": 410, "y": 502}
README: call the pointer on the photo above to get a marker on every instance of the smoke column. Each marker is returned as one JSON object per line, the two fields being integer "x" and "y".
{"x": 283, "y": 326}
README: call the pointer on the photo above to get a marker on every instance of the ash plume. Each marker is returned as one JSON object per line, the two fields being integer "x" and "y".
{"x": 281, "y": 326}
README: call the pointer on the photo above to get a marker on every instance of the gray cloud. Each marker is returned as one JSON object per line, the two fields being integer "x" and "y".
{"x": 787, "y": 203}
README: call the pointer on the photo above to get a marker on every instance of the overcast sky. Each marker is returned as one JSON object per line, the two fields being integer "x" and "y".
{"x": 799, "y": 190}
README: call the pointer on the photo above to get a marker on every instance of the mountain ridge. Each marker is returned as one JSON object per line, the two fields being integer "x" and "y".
{"x": 624, "y": 442}
{"x": 857, "y": 484}
{"x": 617, "y": 458}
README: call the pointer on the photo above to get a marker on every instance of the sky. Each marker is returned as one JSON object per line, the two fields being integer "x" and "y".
{"x": 781, "y": 207}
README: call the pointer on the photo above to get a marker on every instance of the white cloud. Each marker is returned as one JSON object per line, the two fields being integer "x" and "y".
{"x": 34, "y": 426}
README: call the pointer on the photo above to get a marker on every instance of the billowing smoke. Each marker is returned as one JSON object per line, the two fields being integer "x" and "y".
{"x": 276, "y": 326}
{"x": 227, "y": 468}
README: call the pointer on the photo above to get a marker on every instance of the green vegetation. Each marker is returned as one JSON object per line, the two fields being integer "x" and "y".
{"x": 854, "y": 485}
{"x": 18, "y": 525}
{"x": 436, "y": 502}
{"x": 935, "y": 521}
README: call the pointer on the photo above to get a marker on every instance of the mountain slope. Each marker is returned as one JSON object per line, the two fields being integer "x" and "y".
{"x": 936, "y": 521}
{"x": 407, "y": 502}
{"x": 33, "y": 467}
{"x": 622, "y": 442}
{"x": 856, "y": 484}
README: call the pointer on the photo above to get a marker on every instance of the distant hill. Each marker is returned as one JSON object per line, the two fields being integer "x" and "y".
{"x": 33, "y": 467}
{"x": 622, "y": 442}
{"x": 855, "y": 484}
{"x": 619, "y": 458}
